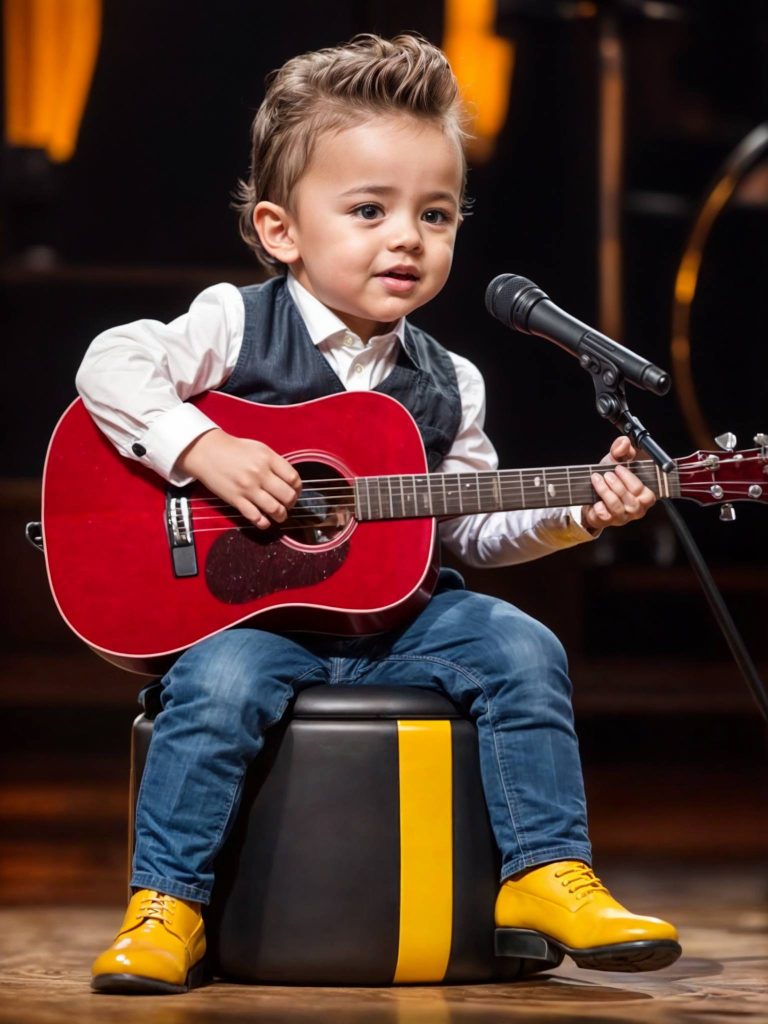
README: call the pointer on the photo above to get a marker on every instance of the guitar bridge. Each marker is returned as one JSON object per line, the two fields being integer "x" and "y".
{"x": 181, "y": 537}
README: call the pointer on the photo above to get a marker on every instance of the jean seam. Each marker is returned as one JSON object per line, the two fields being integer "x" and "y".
{"x": 514, "y": 815}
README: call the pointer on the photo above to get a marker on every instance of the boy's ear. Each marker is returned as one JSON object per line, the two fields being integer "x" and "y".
{"x": 274, "y": 226}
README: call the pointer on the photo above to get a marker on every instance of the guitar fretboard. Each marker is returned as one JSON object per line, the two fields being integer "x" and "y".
{"x": 451, "y": 494}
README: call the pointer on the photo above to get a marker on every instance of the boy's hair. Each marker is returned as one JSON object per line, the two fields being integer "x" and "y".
{"x": 333, "y": 89}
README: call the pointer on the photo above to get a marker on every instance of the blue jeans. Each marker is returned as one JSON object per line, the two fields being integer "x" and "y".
{"x": 499, "y": 665}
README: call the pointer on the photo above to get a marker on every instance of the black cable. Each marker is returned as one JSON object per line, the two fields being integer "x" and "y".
{"x": 720, "y": 610}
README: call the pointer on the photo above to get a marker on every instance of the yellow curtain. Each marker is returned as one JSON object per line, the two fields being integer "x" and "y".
{"x": 483, "y": 64}
{"x": 50, "y": 54}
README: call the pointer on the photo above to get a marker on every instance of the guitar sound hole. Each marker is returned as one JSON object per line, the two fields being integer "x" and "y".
{"x": 325, "y": 506}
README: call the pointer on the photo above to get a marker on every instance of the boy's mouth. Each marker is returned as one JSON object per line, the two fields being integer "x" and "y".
{"x": 400, "y": 273}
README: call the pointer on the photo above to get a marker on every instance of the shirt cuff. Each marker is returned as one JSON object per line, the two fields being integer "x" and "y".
{"x": 172, "y": 432}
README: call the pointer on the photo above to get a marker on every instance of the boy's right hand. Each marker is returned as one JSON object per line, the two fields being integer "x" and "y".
{"x": 247, "y": 474}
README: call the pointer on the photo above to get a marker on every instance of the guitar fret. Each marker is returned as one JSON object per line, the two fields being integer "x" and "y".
{"x": 390, "y": 497}
{"x": 414, "y": 507}
{"x": 432, "y": 483}
{"x": 422, "y": 492}
{"x": 497, "y": 490}
{"x": 458, "y": 504}
{"x": 360, "y": 510}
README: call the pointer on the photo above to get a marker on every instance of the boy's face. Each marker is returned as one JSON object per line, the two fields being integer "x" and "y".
{"x": 373, "y": 220}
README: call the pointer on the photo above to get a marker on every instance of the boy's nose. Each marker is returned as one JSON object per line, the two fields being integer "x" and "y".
{"x": 405, "y": 235}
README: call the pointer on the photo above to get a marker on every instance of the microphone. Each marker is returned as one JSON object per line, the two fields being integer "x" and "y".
{"x": 519, "y": 303}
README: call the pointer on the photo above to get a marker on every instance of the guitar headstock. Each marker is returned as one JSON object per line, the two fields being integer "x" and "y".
{"x": 722, "y": 477}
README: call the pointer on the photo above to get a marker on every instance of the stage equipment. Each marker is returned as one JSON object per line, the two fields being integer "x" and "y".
{"x": 520, "y": 304}
{"x": 514, "y": 300}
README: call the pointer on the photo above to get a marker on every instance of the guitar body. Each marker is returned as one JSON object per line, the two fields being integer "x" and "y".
{"x": 109, "y": 553}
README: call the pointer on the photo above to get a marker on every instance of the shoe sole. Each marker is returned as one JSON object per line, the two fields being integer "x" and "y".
{"x": 644, "y": 955}
{"x": 137, "y": 985}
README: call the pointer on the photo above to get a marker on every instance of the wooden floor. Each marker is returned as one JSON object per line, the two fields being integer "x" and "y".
{"x": 722, "y": 913}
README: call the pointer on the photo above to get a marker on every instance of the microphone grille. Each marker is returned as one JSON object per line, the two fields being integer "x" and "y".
{"x": 510, "y": 298}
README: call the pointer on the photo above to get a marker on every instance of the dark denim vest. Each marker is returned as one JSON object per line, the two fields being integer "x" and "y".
{"x": 279, "y": 365}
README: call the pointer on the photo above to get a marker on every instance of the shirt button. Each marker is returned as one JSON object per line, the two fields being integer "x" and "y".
{"x": 358, "y": 368}
{"x": 138, "y": 450}
{"x": 349, "y": 340}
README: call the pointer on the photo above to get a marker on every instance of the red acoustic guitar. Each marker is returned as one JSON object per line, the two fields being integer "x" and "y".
{"x": 141, "y": 571}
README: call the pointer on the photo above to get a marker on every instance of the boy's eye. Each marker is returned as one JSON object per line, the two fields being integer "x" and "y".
{"x": 436, "y": 217}
{"x": 368, "y": 211}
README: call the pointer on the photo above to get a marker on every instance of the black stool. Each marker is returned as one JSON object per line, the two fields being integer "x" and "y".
{"x": 362, "y": 853}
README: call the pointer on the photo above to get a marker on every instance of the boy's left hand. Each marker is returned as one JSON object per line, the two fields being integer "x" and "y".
{"x": 623, "y": 496}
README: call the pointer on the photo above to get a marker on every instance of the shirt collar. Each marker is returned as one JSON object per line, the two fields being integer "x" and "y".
{"x": 321, "y": 322}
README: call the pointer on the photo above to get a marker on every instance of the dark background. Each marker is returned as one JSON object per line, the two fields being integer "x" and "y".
{"x": 165, "y": 137}
{"x": 139, "y": 221}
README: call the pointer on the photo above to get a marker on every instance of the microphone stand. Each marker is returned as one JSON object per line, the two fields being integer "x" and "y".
{"x": 611, "y": 403}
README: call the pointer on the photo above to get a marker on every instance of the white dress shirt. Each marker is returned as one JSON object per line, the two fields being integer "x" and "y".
{"x": 134, "y": 381}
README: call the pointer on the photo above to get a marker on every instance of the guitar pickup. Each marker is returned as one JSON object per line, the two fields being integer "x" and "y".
{"x": 181, "y": 537}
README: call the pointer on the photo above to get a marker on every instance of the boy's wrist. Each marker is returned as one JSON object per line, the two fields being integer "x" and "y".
{"x": 579, "y": 514}
{"x": 192, "y": 461}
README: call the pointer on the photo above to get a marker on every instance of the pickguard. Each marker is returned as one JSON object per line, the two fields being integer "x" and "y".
{"x": 242, "y": 566}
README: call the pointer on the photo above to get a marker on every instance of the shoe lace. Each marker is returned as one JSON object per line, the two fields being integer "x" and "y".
{"x": 580, "y": 881}
{"x": 157, "y": 906}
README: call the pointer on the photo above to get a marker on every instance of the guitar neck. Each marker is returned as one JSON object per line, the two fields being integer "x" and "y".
{"x": 452, "y": 494}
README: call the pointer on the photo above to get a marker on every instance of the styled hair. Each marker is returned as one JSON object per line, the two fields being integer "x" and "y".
{"x": 333, "y": 89}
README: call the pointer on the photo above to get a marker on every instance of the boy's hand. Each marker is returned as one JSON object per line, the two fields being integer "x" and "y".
{"x": 247, "y": 474}
{"x": 623, "y": 497}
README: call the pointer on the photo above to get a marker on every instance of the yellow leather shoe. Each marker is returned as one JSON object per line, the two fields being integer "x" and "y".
{"x": 159, "y": 949}
{"x": 563, "y": 909}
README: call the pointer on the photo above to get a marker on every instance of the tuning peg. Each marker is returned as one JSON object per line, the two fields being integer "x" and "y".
{"x": 726, "y": 441}
{"x": 727, "y": 512}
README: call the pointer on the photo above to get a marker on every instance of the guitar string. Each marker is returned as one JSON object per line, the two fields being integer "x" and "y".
{"x": 485, "y": 492}
{"x": 293, "y": 523}
{"x": 638, "y": 466}
{"x": 298, "y": 516}
{"x": 491, "y": 478}
{"x": 456, "y": 499}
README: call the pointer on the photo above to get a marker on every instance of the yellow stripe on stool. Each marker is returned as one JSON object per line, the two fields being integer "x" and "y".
{"x": 426, "y": 850}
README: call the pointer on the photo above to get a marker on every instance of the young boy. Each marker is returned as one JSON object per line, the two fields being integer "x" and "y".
{"x": 354, "y": 198}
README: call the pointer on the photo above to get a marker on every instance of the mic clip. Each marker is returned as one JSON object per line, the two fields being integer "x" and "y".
{"x": 612, "y": 405}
